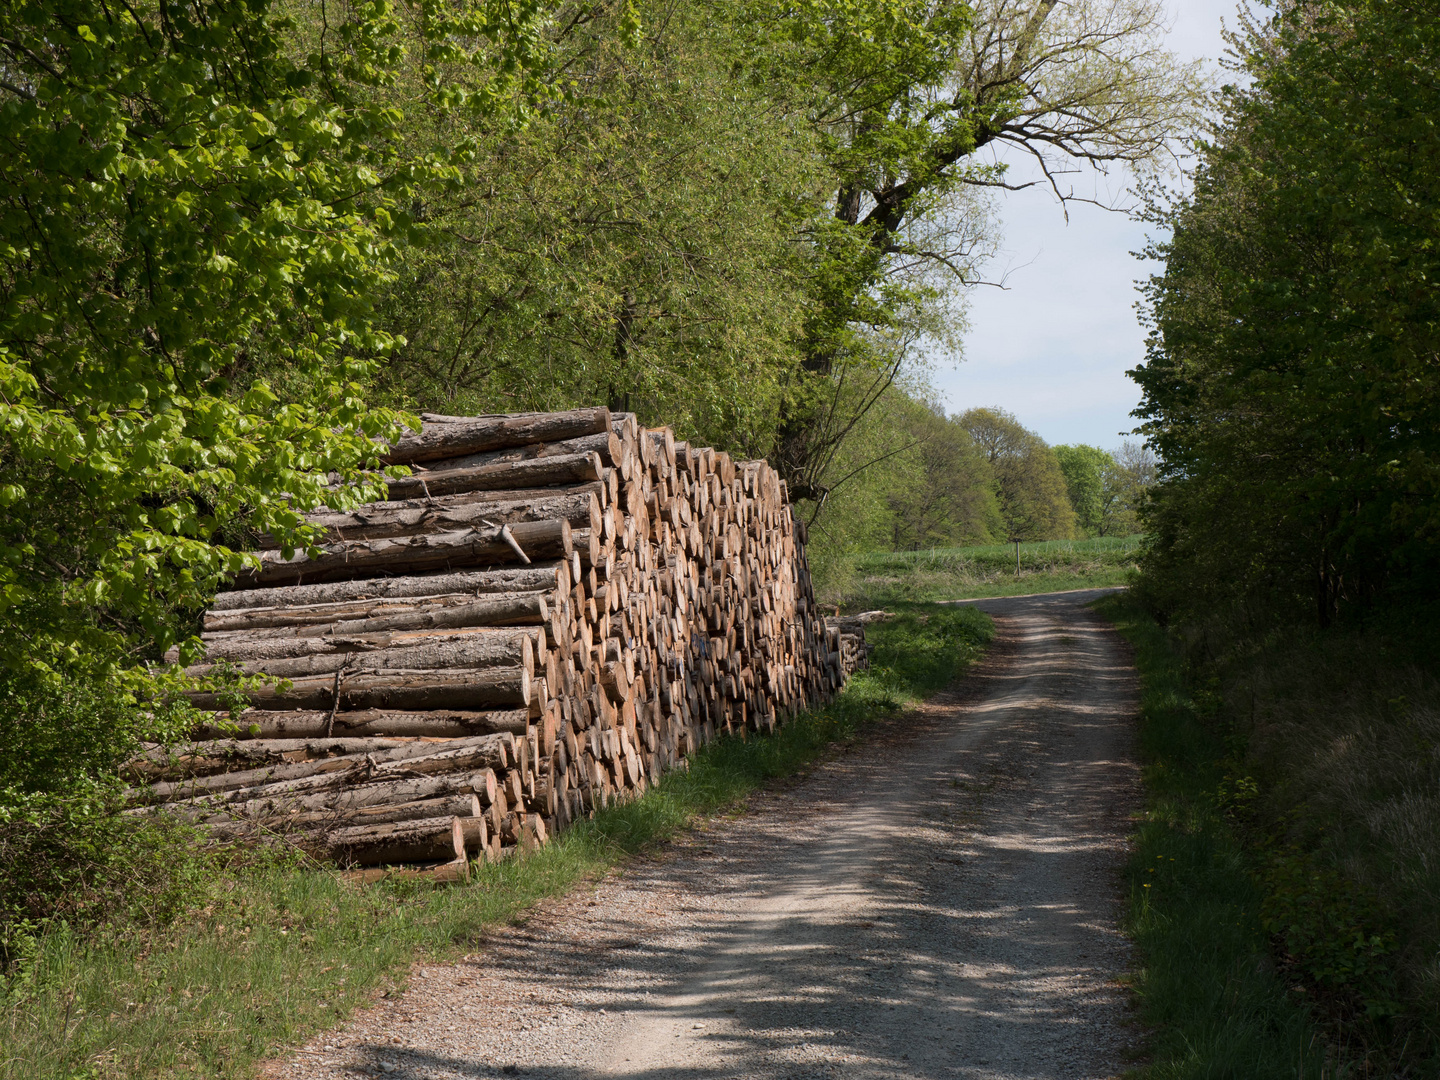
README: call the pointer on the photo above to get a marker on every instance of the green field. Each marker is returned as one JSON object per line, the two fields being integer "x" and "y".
{"x": 960, "y": 573}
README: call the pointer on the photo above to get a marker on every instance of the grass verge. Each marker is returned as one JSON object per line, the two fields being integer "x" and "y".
{"x": 277, "y": 952}
{"x": 1208, "y": 990}
{"x": 883, "y": 579}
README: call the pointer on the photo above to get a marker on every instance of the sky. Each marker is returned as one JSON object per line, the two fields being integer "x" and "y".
{"x": 1054, "y": 344}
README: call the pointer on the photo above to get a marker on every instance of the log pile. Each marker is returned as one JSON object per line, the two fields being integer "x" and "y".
{"x": 549, "y": 613}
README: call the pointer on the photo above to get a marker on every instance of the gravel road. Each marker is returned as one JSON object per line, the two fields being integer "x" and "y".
{"x": 939, "y": 900}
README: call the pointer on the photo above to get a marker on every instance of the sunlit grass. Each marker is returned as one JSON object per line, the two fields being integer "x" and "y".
{"x": 881, "y": 579}
{"x": 281, "y": 951}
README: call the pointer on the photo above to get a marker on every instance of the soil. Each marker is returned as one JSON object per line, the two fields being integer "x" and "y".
{"x": 938, "y": 899}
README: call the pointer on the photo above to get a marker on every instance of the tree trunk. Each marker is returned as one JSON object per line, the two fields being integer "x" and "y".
{"x": 205, "y": 756}
{"x": 463, "y": 806}
{"x": 450, "y": 437}
{"x": 216, "y": 792}
{"x": 282, "y": 801}
{"x": 606, "y": 444}
{"x": 374, "y": 616}
{"x": 418, "y": 758}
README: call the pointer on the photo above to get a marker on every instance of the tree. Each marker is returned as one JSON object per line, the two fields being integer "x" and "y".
{"x": 950, "y": 496}
{"x": 905, "y": 96}
{"x": 635, "y": 244}
{"x": 196, "y": 202}
{"x": 1126, "y": 479}
{"x": 1085, "y": 469}
{"x": 1290, "y": 385}
{"x": 1033, "y": 500}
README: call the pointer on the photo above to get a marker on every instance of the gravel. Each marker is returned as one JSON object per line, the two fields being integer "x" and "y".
{"x": 938, "y": 900}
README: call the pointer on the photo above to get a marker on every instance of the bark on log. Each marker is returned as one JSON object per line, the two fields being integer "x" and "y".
{"x": 503, "y": 497}
{"x": 464, "y": 805}
{"x": 408, "y": 691}
{"x": 203, "y": 756}
{"x": 414, "y": 554}
{"x": 380, "y": 520}
{"x": 524, "y": 609}
{"x": 476, "y": 649}
{"x": 508, "y": 579}
{"x": 510, "y": 608}
{"x": 607, "y": 444}
{"x": 383, "y": 793}
{"x": 441, "y": 723}
{"x": 469, "y": 760}
{"x": 506, "y": 476}
{"x": 425, "y": 840}
{"x": 457, "y": 436}
{"x": 420, "y": 757}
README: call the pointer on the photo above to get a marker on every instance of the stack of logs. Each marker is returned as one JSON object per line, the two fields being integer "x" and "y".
{"x": 548, "y": 613}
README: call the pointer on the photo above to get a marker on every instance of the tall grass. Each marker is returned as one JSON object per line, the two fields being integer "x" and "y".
{"x": 1207, "y": 987}
{"x": 280, "y": 951}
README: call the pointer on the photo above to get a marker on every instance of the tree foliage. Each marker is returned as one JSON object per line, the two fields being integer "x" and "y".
{"x": 905, "y": 113}
{"x": 196, "y": 202}
{"x": 1291, "y": 383}
{"x": 635, "y": 244}
{"x": 1034, "y": 502}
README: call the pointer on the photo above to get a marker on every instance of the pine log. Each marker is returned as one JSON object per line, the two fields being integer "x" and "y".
{"x": 412, "y": 517}
{"x": 441, "y": 874}
{"x": 476, "y": 649}
{"x": 607, "y": 444}
{"x": 441, "y": 724}
{"x": 509, "y": 579}
{"x": 409, "y": 691}
{"x": 420, "y": 757}
{"x": 509, "y": 608}
{"x": 476, "y": 830}
{"x": 414, "y": 554}
{"x": 457, "y": 436}
{"x": 470, "y": 761}
{"x": 383, "y": 793}
{"x": 523, "y": 609}
{"x": 464, "y": 805}
{"x": 504, "y": 476}
{"x": 424, "y": 840}
{"x": 203, "y": 756}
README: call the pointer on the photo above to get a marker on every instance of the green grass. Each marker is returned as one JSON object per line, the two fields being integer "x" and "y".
{"x": 1207, "y": 988}
{"x": 881, "y": 579}
{"x": 279, "y": 952}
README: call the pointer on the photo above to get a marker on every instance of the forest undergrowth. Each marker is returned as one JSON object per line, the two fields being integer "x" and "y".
{"x": 269, "y": 952}
{"x": 1283, "y": 892}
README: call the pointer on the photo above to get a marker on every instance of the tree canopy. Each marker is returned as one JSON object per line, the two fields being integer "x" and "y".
{"x": 1290, "y": 386}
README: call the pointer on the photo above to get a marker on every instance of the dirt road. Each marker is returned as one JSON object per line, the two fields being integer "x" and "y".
{"x": 939, "y": 901}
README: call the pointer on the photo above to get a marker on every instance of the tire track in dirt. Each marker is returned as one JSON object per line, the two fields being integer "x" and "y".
{"x": 938, "y": 900}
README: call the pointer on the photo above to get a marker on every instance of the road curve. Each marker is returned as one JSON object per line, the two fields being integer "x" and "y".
{"x": 938, "y": 901}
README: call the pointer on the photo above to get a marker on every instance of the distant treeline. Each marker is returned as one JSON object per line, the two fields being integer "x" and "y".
{"x": 977, "y": 477}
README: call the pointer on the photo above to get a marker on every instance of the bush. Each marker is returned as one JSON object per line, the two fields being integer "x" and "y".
{"x": 69, "y": 853}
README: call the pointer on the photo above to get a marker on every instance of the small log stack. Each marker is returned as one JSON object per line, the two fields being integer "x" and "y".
{"x": 549, "y": 613}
